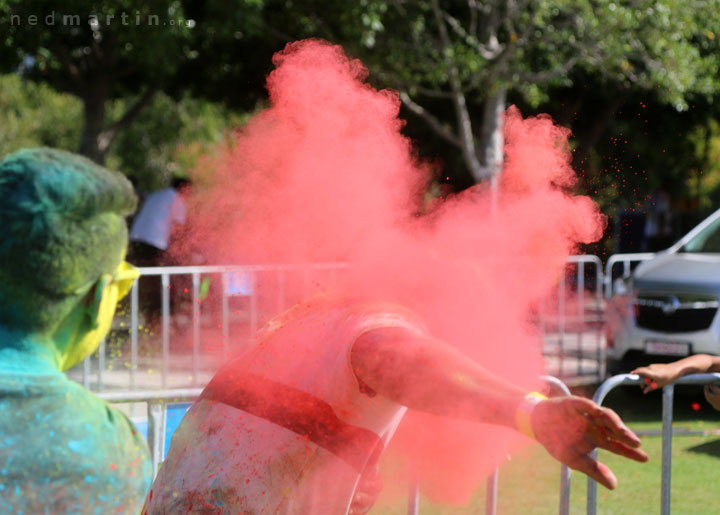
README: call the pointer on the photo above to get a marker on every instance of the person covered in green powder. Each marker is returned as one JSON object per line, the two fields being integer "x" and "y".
{"x": 62, "y": 271}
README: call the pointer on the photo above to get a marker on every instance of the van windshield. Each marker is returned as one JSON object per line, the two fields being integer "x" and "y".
{"x": 707, "y": 240}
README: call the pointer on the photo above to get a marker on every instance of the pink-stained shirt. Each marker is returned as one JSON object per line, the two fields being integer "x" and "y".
{"x": 286, "y": 428}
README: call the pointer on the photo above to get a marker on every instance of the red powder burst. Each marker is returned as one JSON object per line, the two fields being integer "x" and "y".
{"x": 325, "y": 174}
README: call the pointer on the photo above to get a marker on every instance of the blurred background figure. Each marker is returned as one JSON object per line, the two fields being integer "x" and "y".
{"x": 161, "y": 213}
{"x": 658, "y": 222}
{"x": 152, "y": 227}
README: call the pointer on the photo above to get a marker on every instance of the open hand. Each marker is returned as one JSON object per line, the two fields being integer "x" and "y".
{"x": 657, "y": 375}
{"x": 571, "y": 427}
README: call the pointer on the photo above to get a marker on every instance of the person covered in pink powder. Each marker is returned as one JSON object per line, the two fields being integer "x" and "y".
{"x": 298, "y": 423}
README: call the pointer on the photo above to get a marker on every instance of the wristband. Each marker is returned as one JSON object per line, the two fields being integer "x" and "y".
{"x": 524, "y": 410}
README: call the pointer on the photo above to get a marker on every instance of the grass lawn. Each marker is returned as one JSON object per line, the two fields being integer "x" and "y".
{"x": 530, "y": 483}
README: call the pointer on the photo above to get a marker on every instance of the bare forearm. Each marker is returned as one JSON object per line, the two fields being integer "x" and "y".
{"x": 428, "y": 375}
{"x": 697, "y": 364}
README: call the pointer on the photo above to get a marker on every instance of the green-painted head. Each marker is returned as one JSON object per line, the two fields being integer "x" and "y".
{"x": 63, "y": 227}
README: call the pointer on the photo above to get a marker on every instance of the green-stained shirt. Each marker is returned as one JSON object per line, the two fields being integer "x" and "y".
{"x": 63, "y": 450}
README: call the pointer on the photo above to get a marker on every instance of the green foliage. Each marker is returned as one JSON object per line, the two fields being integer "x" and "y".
{"x": 528, "y": 46}
{"x": 168, "y": 137}
{"x": 664, "y": 52}
{"x": 66, "y": 44}
{"x": 33, "y": 115}
{"x": 704, "y": 179}
{"x": 104, "y": 51}
{"x": 165, "y": 141}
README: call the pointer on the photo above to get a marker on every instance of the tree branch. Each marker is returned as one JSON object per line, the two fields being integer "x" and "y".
{"x": 432, "y": 93}
{"x": 473, "y": 6}
{"x": 488, "y": 51}
{"x": 434, "y": 123}
{"x": 548, "y": 74}
{"x": 465, "y": 130}
{"x": 109, "y": 133}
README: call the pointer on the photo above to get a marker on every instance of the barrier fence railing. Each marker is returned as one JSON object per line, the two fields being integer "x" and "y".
{"x": 667, "y": 418}
{"x": 156, "y": 414}
{"x": 572, "y": 328}
{"x": 158, "y": 351}
{"x": 235, "y": 284}
{"x": 627, "y": 261}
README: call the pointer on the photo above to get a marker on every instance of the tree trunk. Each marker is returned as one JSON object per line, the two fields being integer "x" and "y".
{"x": 93, "y": 143}
{"x": 467, "y": 138}
{"x": 492, "y": 140}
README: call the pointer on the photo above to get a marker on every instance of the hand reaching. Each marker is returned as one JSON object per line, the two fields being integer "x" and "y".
{"x": 571, "y": 427}
{"x": 657, "y": 375}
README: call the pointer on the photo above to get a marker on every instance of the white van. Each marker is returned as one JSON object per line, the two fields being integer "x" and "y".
{"x": 670, "y": 305}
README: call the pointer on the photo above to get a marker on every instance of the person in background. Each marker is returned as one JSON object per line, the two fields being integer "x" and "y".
{"x": 658, "y": 222}
{"x": 151, "y": 232}
{"x": 62, "y": 272}
{"x": 297, "y": 424}
{"x": 153, "y": 225}
{"x": 658, "y": 375}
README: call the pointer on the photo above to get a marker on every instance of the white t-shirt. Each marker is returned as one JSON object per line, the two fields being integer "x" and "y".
{"x": 304, "y": 430}
{"x": 159, "y": 211}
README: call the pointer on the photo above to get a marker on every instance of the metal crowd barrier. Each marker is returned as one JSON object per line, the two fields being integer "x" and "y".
{"x": 626, "y": 260}
{"x": 572, "y": 329}
{"x": 156, "y": 414}
{"x": 571, "y": 324}
{"x": 569, "y": 327}
{"x": 556, "y": 387}
{"x": 250, "y": 274}
{"x": 667, "y": 417}
{"x": 569, "y": 337}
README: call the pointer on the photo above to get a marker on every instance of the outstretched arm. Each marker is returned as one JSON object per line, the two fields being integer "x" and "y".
{"x": 429, "y": 375}
{"x": 658, "y": 375}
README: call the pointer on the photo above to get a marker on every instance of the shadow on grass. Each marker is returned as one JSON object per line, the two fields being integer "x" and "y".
{"x": 709, "y": 448}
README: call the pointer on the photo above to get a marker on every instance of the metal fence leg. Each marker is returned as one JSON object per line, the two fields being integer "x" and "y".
{"x": 195, "y": 328}
{"x": 101, "y": 364}
{"x": 165, "y": 328}
{"x": 86, "y": 372}
{"x": 414, "y": 498}
{"x": 561, "y": 323}
{"x": 556, "y": 385}
{"x": 564, "y": 490}
{"x": 600, "y": 351}
{"x": 592, "y": 489}
{"x": 225, "y": 323}
{"x": 253, "y": 304}
{"x": 581, "y": 316}
{"x": 133, "y": 339}
{"x": 156, "y": 433}
{"x": 491, "y": 493}
{"x": 667, "y": 415}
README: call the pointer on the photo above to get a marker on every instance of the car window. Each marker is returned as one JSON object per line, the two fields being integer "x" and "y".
{"x": 707, "y": 240}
